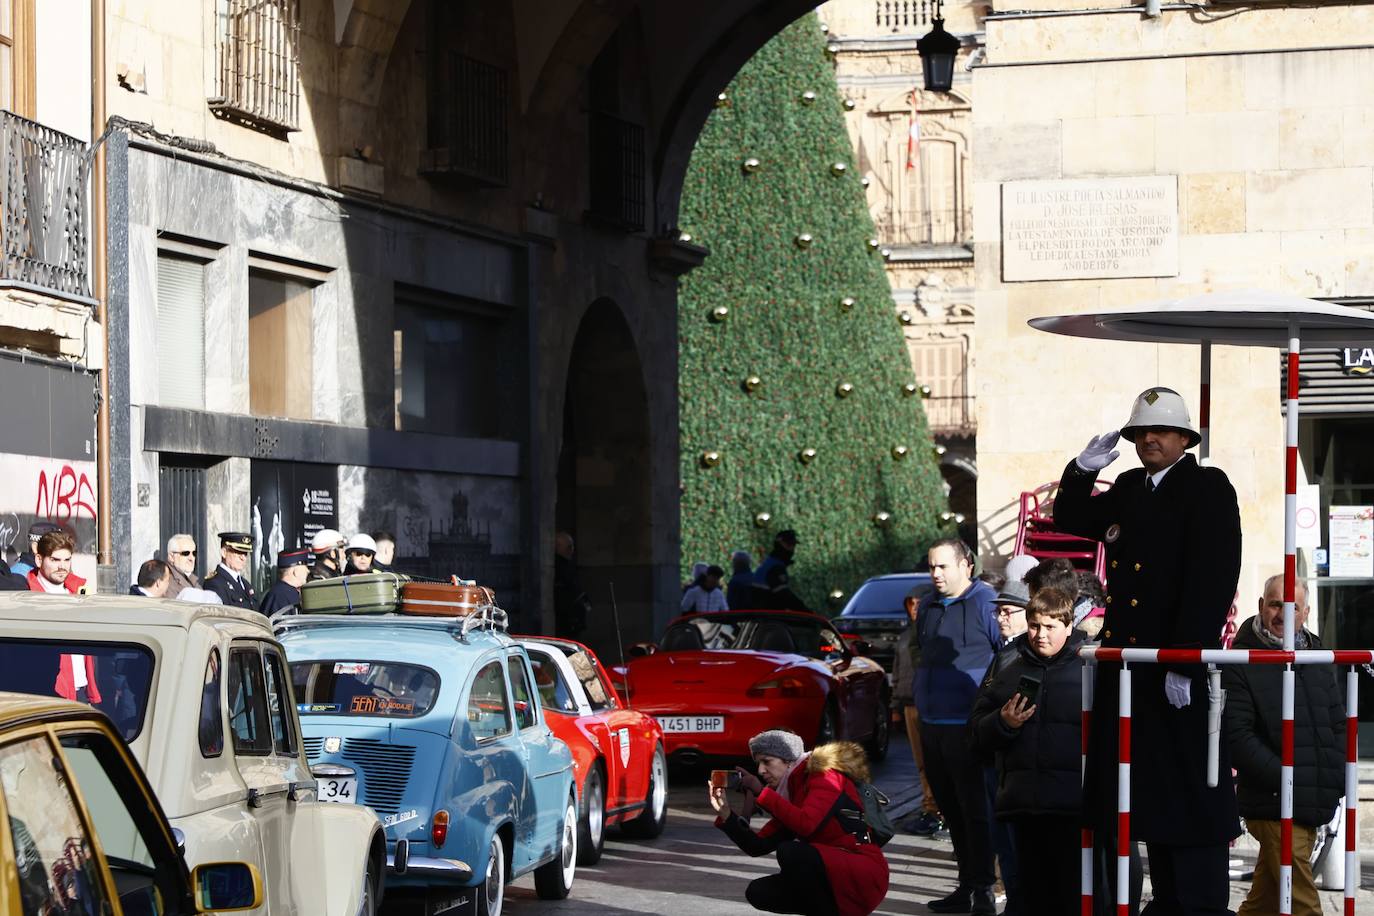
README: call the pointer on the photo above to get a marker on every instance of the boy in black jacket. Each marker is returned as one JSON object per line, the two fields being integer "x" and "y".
{"x": 1038, "y": 745}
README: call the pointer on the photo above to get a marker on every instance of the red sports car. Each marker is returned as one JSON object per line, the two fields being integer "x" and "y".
{"x": 716, "y": 680}
{"x": 618, "y": 753}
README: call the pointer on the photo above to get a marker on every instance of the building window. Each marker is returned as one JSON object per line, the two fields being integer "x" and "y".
{"x": 17, "y": 64}
{"x": 943, "y": 365}
{"x": 280, "y": 346}
{"x": 180, "y": 332}
{"x": 257, "y": 57}
{"x": 446, "y": 369}
{"x": 468, "y": 111}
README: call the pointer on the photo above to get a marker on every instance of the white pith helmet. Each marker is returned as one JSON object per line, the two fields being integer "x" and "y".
{"x": 326, "y": 539}
{"x": 1160, "y": 407}
{"x": 362, "y": 542}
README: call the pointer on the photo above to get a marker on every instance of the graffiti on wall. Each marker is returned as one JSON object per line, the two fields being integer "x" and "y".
{"x": 54, "y": 490}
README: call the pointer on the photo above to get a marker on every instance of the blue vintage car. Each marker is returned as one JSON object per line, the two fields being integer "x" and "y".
{"x": 435, "y": 724}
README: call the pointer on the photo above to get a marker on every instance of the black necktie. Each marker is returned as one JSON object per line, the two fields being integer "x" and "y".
{"x": 1149, "y": 484}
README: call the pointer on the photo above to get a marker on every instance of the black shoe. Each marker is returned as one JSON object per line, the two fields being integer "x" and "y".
{"x": 924, "y": 824}
{"x": 984, "y": 902}
{"x": 957, "y": 902}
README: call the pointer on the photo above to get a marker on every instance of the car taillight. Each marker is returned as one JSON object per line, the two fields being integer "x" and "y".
{"x": 779, "y": 687}
{"x": 438, "y": 831}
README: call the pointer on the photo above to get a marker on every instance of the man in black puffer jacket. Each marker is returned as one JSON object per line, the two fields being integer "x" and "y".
{"x": 1038, "y": 749}
{"x": 1254, "y": 721}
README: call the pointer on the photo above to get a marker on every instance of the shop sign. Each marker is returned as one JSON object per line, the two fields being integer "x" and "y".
{"x": 1357, "y": 360}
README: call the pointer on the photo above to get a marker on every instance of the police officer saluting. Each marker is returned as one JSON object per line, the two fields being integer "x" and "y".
{"x": 1172, "y": 533}
{"x": 293, "y": 566}
{"x": 227, "y": 580}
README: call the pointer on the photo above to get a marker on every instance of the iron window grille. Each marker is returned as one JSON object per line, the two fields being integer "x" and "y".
{"x": 257, "y": 73}
{"x": 617, "y": 171}
{"x": 469, "y": 133}
{"x": 43, "y": 211}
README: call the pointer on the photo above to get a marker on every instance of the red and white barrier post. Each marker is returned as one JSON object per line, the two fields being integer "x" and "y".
{"x": 1123, "y": 794}
{"x": 1352, "y": 786}
{"x": 1086, "y": 854}
{"x": 1290, "y": 576}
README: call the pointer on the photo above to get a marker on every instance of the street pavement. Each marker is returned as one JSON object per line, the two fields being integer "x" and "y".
{"x": 692, "y": 868}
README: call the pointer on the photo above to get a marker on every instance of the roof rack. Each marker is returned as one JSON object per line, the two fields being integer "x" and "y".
{"x": 486, "y": 617}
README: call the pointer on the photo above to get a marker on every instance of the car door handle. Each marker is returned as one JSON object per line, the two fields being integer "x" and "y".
{"x": 256, "y": 797}
{"x": 294, "y": 792}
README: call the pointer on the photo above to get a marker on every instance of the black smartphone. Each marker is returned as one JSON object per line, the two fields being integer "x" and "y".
{"x": 1029, "y": 687}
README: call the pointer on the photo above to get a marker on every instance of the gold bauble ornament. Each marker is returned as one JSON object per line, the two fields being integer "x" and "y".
{"x": 750, "y": 165}
{"x": 752, "y": 383}
{"x": 881, "y": 519}
{"x": 684, "y": 236}
{"x": 925, "y": 392}
{"x": 722, "y": 100}
{"x": 838, "y": 169}
{"x": 874, "y": 244}
{"x": 887, "y": 254}
{"x": 946, "y": 516}
{"x": 803, "y": 240}
{"x": 808, "y": 97}
{"x": 825, "y": 29}
{"x": 762, "y": 519}
{"x": 844, "y": 390}
{"x": 847, "y": 303}
{"x": 906, "y": 317}
{"x": 909, "y": 389}
{"x": 865, "y": 181}
{"x": 938, "y": 451}
{"x": 710, "y": 459}
{"x": 850, "y": 104}
{"x": 832, "y": 48}
{"x": 836, "y": 596}
{"x": 899, "y": 452}
{"x": 958, "y": 518}
{"x": 719, "y": 313}
{"x": 806, "y": 455}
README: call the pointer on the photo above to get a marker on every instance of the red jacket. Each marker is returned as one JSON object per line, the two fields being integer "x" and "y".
{"x": 72, "y": 583}
{"x": 66, "y": 681}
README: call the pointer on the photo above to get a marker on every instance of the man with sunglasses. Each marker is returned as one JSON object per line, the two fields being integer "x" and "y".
{"x": 181, "y": 556}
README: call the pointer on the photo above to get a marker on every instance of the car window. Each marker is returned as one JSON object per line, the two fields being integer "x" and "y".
{"x": 211, "y": 728}
{"x": 488, "y": 709}
{"x": 885, "y": 597}
{"x": 584, "y": 666}
{"x": 364, "y": 688}
{"x": 53, "y": 855}
{"x": 121, "y": 819}
{"x": 113, "y": 677}
{"x": 248, "y": 720}
{"x": 548, "y": 680}
{"x": 279, "y": 704}
{"x": 520, "y": 689}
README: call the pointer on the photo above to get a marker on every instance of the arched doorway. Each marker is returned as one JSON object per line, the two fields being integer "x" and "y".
{"x": 604, "y": 478}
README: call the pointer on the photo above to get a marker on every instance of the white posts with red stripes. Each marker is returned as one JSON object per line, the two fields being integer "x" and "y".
{"x": 1290, "y": 575}
{"x": 1086, "y": 854}
{"x": 1123, "y": 793}
{"x": 1204, "y": 405}
{"x": 1352, "y": 786}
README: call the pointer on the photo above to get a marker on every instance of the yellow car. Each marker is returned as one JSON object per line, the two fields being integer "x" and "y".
{"x": 86, "y": 836}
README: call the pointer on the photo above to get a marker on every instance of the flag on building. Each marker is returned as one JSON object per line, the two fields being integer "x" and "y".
{"x": 913, "y": 136}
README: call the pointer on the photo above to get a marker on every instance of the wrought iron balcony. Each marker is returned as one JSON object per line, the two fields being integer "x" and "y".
{"x": 617, "y": 171}
{"x": 951, "y": 415}
{"x": 469, "y": 134}
{"x": 43, "y": 208}
{"x": 897, "y": 226}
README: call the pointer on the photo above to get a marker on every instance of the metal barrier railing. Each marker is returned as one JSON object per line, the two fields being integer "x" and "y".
{"x": 1288, "y": 658}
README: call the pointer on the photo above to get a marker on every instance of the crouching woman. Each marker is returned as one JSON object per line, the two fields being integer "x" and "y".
{"x": 824, "y": 868}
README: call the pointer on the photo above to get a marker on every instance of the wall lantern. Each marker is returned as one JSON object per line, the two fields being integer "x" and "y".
{"x": 938, "y": 49}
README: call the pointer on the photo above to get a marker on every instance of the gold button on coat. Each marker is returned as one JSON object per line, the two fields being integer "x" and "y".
{"x": 1114, "y": 565}
{"x": 1134, "y": 602}
{"x": 1109, "y": 599}
{"x": 1137, "y": 567}
{"x": 1131, "y": 640}
{"x": 1106, "y": 634}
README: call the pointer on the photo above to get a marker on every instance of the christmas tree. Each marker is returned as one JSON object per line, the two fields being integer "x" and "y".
{"x": 798, "y": 404}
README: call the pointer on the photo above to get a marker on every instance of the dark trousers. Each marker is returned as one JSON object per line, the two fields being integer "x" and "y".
{"x": 1104, "y": 870}
{"x": 1049, "y": 850}
{"x": 956, "y": 778}
{"x": 799, "y": 887}
{"x": 1188, "y": 880}
{"x": 1004, "y": 846}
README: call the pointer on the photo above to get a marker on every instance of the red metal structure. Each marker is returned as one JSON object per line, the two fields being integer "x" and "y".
{"x": 1037, "y": 536}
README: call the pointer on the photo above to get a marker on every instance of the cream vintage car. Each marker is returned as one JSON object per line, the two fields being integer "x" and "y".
{"x": 202, "y": 694}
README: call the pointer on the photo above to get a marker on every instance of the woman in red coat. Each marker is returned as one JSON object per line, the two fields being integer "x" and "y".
{"x": 824, "y": 869}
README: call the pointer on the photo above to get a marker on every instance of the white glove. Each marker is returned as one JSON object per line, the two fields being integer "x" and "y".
{"x": 1178, "y": 689}
{"x": 1099, "y": 452}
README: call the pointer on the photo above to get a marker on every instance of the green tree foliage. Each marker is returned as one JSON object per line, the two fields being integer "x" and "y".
{"x": 788, "y": 324}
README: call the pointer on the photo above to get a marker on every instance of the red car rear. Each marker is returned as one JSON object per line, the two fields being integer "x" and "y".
{"x": 716, "y": 680}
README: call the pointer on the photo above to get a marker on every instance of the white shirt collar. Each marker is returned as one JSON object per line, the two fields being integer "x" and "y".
{"x": 1158, "y": 476}
{"x": 232, "y": 574}
{"x": 52, "y": 588}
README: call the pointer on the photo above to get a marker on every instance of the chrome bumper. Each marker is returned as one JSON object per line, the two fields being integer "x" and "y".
{"x": 401, "y": 862}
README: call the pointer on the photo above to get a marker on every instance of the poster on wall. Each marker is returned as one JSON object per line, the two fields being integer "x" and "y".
{"x": 1351, "y": 534}
{"x": 291, "y": 502}
{"x": 54, "y": 490}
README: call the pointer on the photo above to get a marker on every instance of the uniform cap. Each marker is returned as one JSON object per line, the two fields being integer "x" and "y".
{"x": 1160, "y": 407}
{"x": 38, "y": 529}
{"x": 236, "y": 540}
{"x": 362, "y": 542}
{"x": 326, "y": 539}
{"x": 289, "y": 558}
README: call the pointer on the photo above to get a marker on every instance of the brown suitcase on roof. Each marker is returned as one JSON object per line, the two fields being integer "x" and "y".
{"x": 438, "y": 599}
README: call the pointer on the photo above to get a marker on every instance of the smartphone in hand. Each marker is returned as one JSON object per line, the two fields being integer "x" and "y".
{"x": 1029, "y": 687}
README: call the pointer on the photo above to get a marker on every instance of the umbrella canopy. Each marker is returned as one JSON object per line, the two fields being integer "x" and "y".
{"x": 1244, "y": 318}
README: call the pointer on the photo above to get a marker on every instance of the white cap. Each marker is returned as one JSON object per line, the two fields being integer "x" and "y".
{"x": 362, "y": 542}
{"x": 326, "y": 539}
{"x": 1160, "y": 407}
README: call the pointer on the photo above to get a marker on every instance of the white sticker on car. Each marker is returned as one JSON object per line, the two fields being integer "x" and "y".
{"x": 624, "y": 747}
{"x": 352, "y": 667}
{"x": 400, "y": 817}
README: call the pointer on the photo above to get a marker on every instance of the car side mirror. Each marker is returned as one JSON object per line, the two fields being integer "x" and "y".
{"x": 641, "y": 649}
{"x": 222, "y": 887}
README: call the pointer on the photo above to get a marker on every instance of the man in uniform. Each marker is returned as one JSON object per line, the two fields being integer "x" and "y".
{"x": 292, "y": 568}
{"x": 227, "y": 580}
{"x": 1172, "y": 533}
{"x": 327, "y": 545}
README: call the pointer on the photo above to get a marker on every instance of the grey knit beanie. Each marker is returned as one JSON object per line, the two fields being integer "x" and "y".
{"x": 779, "y": 743}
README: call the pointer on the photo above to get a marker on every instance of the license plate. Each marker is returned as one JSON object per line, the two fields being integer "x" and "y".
{"x": 687, "y": 724}
{"x": 344, "y": 791}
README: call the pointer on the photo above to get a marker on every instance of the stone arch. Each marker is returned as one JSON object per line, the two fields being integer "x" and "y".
{"x": 365, "y": 32}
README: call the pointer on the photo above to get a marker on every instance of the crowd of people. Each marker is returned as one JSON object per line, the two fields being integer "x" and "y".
{"x": 767, "y": 587}
{"x": 47, "y": 567}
